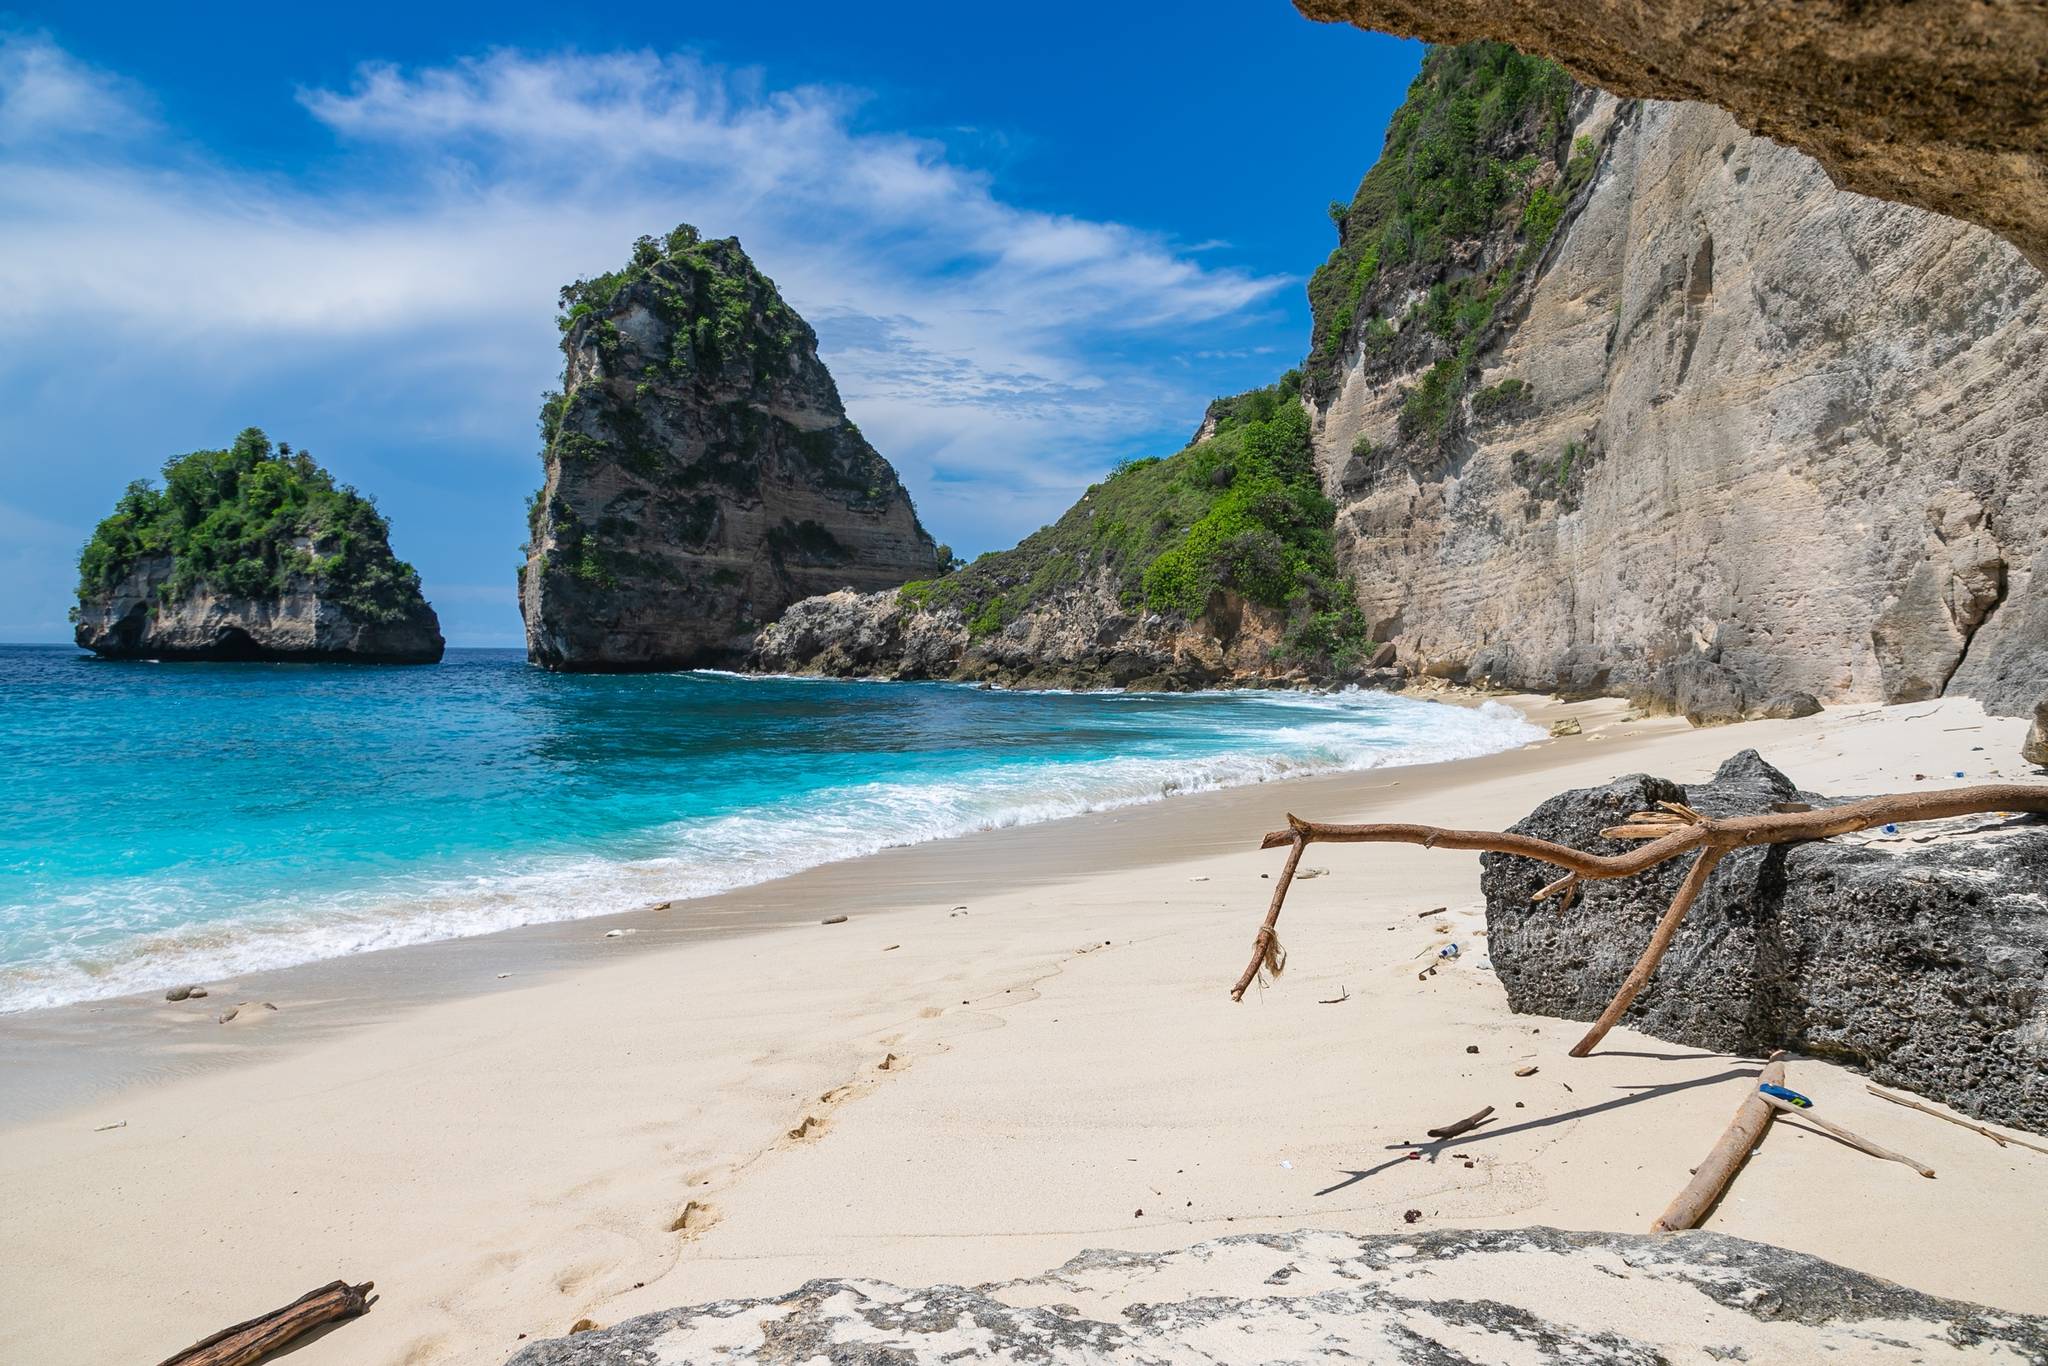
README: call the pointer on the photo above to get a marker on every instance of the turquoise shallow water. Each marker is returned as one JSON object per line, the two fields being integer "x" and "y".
{"x": 171, "y": 822}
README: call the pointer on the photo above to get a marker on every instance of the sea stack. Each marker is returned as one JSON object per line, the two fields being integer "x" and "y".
{"x": 250, "y": 553}
{"x": 701, "y": 474}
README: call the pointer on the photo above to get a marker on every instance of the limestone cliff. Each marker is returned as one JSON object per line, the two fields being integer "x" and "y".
{"x": 1675, "y": 417}
{"x": 701, "y": 474}
{"x": 250, "y": 553}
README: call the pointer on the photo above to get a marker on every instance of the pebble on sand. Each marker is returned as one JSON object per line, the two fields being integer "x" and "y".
{"x": 833, "y": 920}
{"x": 177, "y": 993}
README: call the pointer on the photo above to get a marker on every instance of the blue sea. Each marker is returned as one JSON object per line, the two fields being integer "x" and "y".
{"x": 174, "y": 822}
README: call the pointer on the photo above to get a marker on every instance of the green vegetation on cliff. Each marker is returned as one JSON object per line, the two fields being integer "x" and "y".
{"x": 721, "y": 308}
{"x": 244, "y": 522}
{"x": 1466, "y": 156}
{"x": 1241, "y": 511}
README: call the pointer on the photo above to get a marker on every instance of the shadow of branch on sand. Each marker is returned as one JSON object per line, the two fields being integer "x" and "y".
{"x": 1436, "y": 1148}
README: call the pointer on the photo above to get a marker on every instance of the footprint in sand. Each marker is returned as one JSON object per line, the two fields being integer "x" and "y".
{"x": 696, "y": 1216}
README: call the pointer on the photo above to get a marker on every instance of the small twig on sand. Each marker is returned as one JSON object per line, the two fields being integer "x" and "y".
{"x": 1343, "y": 995}
{"x": 253, "y": 1339}
{"x": 1465, "y": 1125}
{"x": 2000, "y": 1139}
{"x": 1852, "y": 1139}
{"x": 1712, "y": 1176}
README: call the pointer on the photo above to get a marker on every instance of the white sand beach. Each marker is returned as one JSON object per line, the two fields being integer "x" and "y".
{"x": 1018, "y": 1046}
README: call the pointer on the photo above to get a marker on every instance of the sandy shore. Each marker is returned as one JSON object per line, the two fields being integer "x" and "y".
{"x": 505, "y": 1156}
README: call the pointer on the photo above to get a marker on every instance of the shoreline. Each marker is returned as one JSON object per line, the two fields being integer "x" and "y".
{"x": 691, "y": 851}
{"x": 676, "y": 1117}
{"x": 137, "y": 1036}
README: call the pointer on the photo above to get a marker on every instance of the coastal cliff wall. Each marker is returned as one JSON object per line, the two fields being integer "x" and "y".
{"x": 1733, "y": 433}
{"x": 1607, "y": 397}
{"x": 700, "y": 471}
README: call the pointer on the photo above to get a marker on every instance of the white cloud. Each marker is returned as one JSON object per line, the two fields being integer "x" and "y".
{"x": 972, "y": 338}
{"x": 47, "y": 96}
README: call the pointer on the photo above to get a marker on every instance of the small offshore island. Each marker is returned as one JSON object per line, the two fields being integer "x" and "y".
{"x": 250, "y": 553}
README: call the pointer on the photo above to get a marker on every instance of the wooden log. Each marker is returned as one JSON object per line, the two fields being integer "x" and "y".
{"x": 1712, "y": 1176}
{"x": 245, "y": 1343}
{"x": 1854, "y": 1140}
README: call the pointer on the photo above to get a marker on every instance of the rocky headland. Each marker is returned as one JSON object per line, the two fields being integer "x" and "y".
{"x": 250, "y": 553}
{"x": 700, "y": 472}
{"x": 1212, "y": 567}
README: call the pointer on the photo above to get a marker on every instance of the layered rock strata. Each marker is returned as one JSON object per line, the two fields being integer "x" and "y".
{"x": 1734, "y": 433}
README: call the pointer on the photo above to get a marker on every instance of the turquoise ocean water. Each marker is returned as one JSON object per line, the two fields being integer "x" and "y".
{"x": 161, "y": 823}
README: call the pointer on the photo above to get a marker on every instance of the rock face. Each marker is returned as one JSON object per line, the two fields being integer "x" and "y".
{"x": 2035, "y": 751}
{"x": 1726, "y": 432}
{"x": 1921, "y": 958}
{"x": 250, "y": 553}
{"x": 701, "y": 474}
{"x": 1453, "y": 1298}
{"x": 1939, "y": 106}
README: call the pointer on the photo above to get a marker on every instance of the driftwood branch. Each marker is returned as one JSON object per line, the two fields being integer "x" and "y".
{"x": 253, "y": 1339}
{"x": 1668, "y": 832}
{"x": 1854, "y": 1140}
{"x": 2000, "y": 1139}
{"x": 1712, "y": 1176}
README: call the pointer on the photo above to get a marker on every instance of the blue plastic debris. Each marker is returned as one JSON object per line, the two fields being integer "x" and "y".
{"x": 1891, "y": 829}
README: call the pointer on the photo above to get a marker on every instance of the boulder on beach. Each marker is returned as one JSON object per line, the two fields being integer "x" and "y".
{"x": 1917, "y": 955}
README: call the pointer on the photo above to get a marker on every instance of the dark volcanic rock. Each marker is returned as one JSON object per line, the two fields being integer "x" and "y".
{"x": 1441, "y": 1298}
{"x": 1923, "y": 963}
{"x": 1943, "y": 106}
{"x": 701, "y": 472}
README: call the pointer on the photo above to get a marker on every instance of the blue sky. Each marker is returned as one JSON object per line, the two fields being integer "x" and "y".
{"x": 1033, "y": 240}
